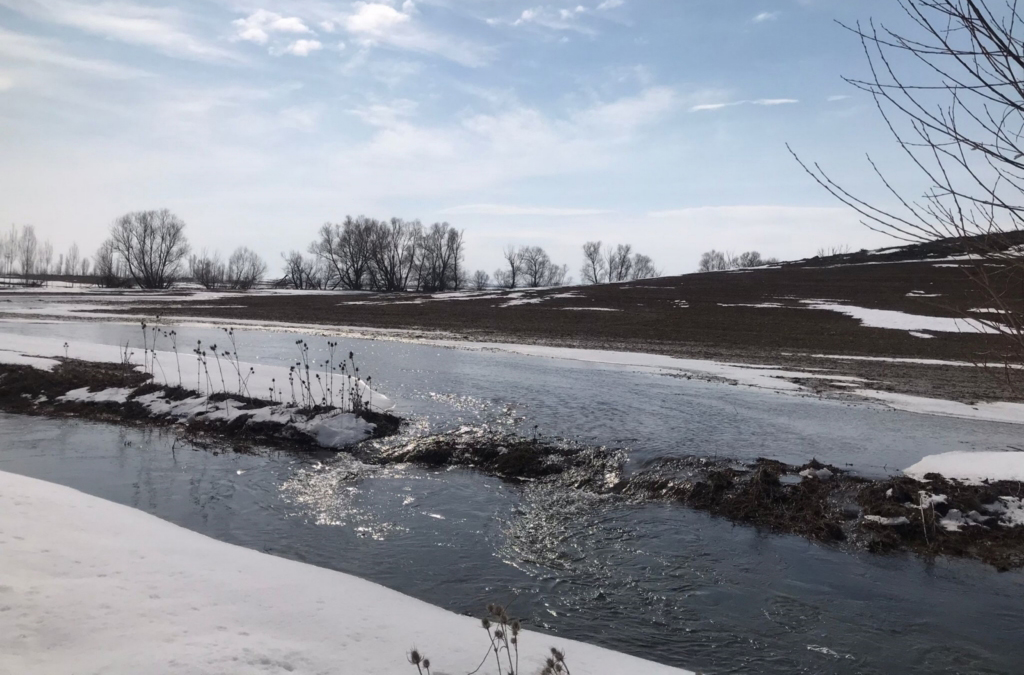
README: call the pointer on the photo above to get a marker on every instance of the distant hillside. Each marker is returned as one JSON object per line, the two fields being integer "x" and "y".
{"x": 942, "y": 248}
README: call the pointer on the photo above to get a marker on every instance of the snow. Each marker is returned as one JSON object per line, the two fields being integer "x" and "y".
{"x": 758, "y": 376}
{"x": 95, "y": 587}
{"x": 103, "y": 396}
{"x": 762, "y": 305}
{"x": 971, "y": 467}
{"x": 890, "y": 359}
{"x": 998, "y": 411}
{"x": 924, "y": 336}
{"x": 589, "y": 309}
{"x": 922, "y": 294}
{"x": 894, "y": 320}
{"x": 14, "y": 357}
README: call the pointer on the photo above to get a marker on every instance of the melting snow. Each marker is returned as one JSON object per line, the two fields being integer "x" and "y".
{"x": 971, "y": 467}
{"x": 891, "y": 319}
{"x": 125, "y": 592}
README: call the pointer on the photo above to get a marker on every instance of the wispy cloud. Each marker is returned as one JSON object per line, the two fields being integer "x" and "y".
{"x": 160, "y": 28}
{"x": 37, "y": 51}
{"x": 765, "y": 16}
{"x": 517, "y": 210}
{"x": 838, "y": 97}
{"x": 761, "y": 101}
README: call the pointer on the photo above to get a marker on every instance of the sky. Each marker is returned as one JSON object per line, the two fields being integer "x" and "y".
{"x": 659, "y": 123}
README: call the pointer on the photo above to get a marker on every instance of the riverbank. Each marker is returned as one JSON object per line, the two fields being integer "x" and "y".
{"x": 91, "y": 586}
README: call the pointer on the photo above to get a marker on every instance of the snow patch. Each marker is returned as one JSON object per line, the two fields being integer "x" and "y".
{"x": 123, "y": 590}
{"x": 894, "y": 320}
{"x": 971, "y": 467}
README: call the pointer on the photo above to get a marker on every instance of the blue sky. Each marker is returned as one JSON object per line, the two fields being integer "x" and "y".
{"x": 662, "y": 123}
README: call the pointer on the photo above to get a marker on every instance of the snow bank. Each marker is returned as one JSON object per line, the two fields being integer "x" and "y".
{"x": 971, "y": 467}
{"x": 23, "y": 349}
{"x": 90, "y": 586}
{"x": 998, "y": 411}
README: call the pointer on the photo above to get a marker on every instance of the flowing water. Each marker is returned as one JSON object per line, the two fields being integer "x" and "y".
{"x": 655, "y": 580}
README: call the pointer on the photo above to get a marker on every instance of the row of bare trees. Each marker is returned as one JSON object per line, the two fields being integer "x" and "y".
{"x": 243, "y": 270}
{"x": 526, "y": 267}
{"x": 381, "y": 255}
{"x": 719, "y": 261}
{"x": 149, "y": 249}
{"x": 24, "y": 255}
{"x": 615, "y": 264}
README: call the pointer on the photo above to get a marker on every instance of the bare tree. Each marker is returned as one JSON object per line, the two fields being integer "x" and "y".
{"x": 510, "y": 278}
{"x": 643, "y": 267}
{"x": 10, "y": 251}
{"x": 305, "y": 273}
{"x": 152, "y": 245}
{"x": 72, "y": 259}
{"x": 393, "y": 254}
{"x": 83, "y": 267}
{"x": 957, "y": 115}
{"x": 108, "y": 267}
{"x": 595, "y": 268}
{"x": 714, "y": 261}
{"x": 750, "y": 259}
{"x": 45, "y": 261}
{"x": 245, "y": 269}
{"x": 536, "y": 266}
{"x": 207, "y": 270}
{"x": 620, "y": 263}
{"x": 481, "y": 280}
{"x": 27, "y": 248}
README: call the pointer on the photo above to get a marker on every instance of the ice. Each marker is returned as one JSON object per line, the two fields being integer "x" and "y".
{"x": 89, "y": 586}
{"x": 998, "y": 411}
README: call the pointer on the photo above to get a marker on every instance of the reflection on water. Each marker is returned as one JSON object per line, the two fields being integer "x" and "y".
{"x": 658, "y": 581}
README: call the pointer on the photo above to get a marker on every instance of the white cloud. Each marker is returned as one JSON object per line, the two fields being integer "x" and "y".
{"x": 303, "y": 47}
{"x": 514, "y": 210}
{"x": 375, "y": 19}
{"x": 761, "y": 101}
{"x": 160, "y": 28}
{"x": 554, "y": 19}
{"x": 258, "y": 26}
{"x": 378, "y": 23}
{"x": 6, "y": 82}
{"x": 766, "y": 16}
{"x": 610, "y": 4}
{"x": 840, "y": 97}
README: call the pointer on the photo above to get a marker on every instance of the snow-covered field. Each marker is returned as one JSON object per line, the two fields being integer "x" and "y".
{"x": 88, "y": 586}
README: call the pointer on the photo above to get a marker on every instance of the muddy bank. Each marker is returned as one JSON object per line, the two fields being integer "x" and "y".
{"x": 118, "y": 393}
{"x": 823, "y": 503}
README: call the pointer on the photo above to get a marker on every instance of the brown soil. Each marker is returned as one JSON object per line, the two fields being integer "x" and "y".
{"x": 827, "y": 507}
{"x": 651, "y": 317}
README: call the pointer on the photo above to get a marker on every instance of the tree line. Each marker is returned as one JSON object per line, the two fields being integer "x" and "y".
{"x": 24, "y": 255}
{"x": 149, "y": 250}
{"x": 718, "y": 261}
